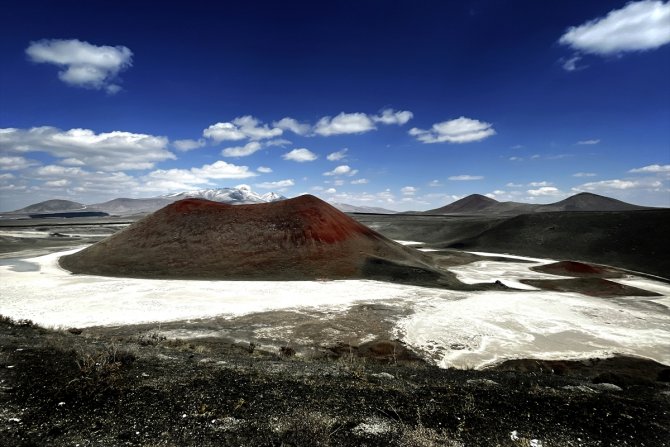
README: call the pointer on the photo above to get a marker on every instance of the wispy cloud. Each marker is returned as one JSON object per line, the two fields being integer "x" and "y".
{"x": 584, "y": 174}
{"x": 589, "y": 142}
{"x": 292, "y": 125}
{"x": 408, "y": 190}
{"x": 264, "y": 169}
{"x": 390, "y": 116}
{"x": 242, "y": 151}
{"x": 188, "y": 145}
{"x": 466, "y": 177}
{"x": 339, "y": 155}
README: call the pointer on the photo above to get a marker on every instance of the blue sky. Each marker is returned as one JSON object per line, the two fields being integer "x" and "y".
{"x": 400, "y": 104}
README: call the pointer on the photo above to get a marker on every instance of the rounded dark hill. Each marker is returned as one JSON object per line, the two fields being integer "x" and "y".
{"x": 470, "y": 204}
{"x": 586, "y": 201}
{"x": 295, "y": 239}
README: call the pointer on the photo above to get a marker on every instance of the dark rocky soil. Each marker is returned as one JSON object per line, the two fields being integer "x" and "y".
{"x": 61, "y": 388}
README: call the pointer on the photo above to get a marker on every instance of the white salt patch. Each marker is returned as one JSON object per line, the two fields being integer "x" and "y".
{"x": 409, "y": 242}
{"x": 490, "y": 271}
{"x": 646, "y": 284}
{"x": 462, "y": 329}
{"x": 53, "y": 296}
{"x": 501, "y": 255}
{"x": 476, "y": 330}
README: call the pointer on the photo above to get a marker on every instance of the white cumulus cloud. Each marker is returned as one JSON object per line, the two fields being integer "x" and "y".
{"x": 651, "y": 169}
{"x": 280, "y": 184}
{"x": 342, "y": 170}
{"x": 344, "y": 123}
{"x": 459, "y": 130}
{"x": 617, "y": 184}
{"x": 264, "y": 169}
{"x": 408, "y": 190}
{"x": 638, "y": 26}
{"x": 241, "y": 128}
{"x": 545, "y": 191}
{"x": 83, "y": 64}
{"x": 300, "y": 155}
{"x": 107, "y": 151}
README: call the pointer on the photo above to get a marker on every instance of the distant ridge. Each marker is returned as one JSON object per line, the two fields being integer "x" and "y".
{"x": 361, "y": 209}
{"x": 482, "y": 205}
{"x": 51, "y": 206}
{"x": 126, "y": 206}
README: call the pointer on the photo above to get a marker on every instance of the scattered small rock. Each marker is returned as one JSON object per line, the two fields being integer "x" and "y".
{"x": 580, "y": 389}
{"x": 372, "y": 426}
{"x": 485, "y": 382}
{"x": 383, "y": 375}
{"x": 75, "y": 331}
{"x": 607, "y": 387}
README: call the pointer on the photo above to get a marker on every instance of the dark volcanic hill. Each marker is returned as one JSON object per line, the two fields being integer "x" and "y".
{"x": 51, "y": 206}
{"x": 296, "y": 239}
{"x": 467, "y": 205}
{"x": 480, "y": 205}
{"x": 586, "y": 201}
{"x": 635, "y": 240}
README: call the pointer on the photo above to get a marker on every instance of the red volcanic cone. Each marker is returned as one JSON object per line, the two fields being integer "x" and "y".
{"x": 295, "y": 239}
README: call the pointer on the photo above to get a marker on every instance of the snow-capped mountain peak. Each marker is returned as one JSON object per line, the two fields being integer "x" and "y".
{"x": 241, "y": 194}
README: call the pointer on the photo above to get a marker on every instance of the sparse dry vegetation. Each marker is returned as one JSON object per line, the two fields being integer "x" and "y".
{"x": 58, "y": 388}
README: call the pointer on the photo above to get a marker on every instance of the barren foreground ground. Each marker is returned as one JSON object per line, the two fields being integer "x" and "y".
{"x": 60, "y": 388}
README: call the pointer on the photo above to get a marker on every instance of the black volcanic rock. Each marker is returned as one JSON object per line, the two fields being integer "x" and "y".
{"x": 295, "y": 239}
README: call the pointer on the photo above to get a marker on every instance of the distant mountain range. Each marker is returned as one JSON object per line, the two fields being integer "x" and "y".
{"x": 475, "y": 204}
{"x": 481, "y": 205}
{"x": 242, "y": 195}
{"x": 361, "y": 209}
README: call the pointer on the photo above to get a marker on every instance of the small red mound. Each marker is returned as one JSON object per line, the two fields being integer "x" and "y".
{"x": 596, "y": 287}
{"x": 301, "y": 238}
{"x": 577, "y": 269}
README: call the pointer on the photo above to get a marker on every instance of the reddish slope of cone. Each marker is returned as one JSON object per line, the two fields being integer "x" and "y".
{"x": 301, "y": 238}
